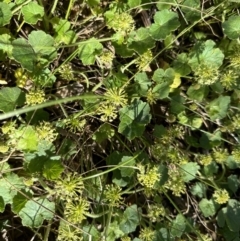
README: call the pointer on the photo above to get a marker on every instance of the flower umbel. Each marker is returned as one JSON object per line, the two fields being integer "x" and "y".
{"x": 221, "y": 196}
{"x": 67, "y": 232}
{"x": 206, "y": 74}
{"x": 146, "y": 234}
{"x": 75, "y": 211}
{"x": 116, "y": 96}
{"x": 148, "y": 176}
{"x": 107, "y": 111}
{"x": 66, "y": 72}
{"x": 35, "y": 97}
{"x": 113, "y": 195}
{"x": 69, "y": 187}
{"x": 144, "y": 60}
{"x": 46, "y": 131}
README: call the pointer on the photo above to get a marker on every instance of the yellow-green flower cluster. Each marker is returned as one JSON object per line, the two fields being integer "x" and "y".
{"x": 116, "y": 96}
{"x": 67, "y": 232}
{"x": 175, "y": 181}
{"x": 106, "y": 58}
{"x": 148, "y": 176}
{"x": 204, "y": 237}
{"x": 206, "y": 160}
{"x": 9, "y": 127}
{"x": 221, "y": 196}
{"x": 46, "y": 131}
{"x": 75, "y": 211}
{"x": 147, "y": 234}
{"x": 107, "y": 111}
{"x": 3, "y": 147}
{"x": 35, "y": 97}
{"x": 113, "y": 195}
{"x": 21, "y": 77}
{"x": 206, "y": 74}
{"x": 229, "y": 79}
{"x": 74, "y": 124}
{"x": 236, "y": 154}
{"x": 220, "y": 155}
{"x": 155, "y": 212}
{"x": 126, "y": 238}
{"x": 122, "y": 23}
{"x": 66, "y": 72}
{"x": 144, "y": 60}
{"x": 69, "y": 187}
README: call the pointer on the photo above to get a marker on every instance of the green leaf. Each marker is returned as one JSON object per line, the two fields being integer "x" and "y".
{"x": 24, "y": 54}
{"x": 199, "y": 189}
{"x": 36, "y": 211}
{"x": 162, "y": 4}
{"x": 165, "y": 21}
{"x": 142, "y": 83}
{"x": 197, "y": 92}
{"x": 177, "y": 104}
{"x": 32, "y": 12}
{"x": 53, "y": 168}
{"x": 43, "y": 45}
{"x": 178, "y": 226}
{"x": 89, "y": 50}
{"x": 26, "y": 139}
{"x": 162, "y": 76}
{"x": 233, "y": 183}
{"x": 140, "y": 40}
{"x": 189, "y": 171}
{"x": 217, "y": 109}
{"x": 114, "y": 232}
{"x": 207, "y": 207}
{"x": 205, "y": 53}
{"x": 130, "y": 220}
{"x": 180, "y": 65}
{"x": 5, "y": 14}
{"x": 133, "y": 119}
{"x": 231, "y": 27}
{"x": 190, "y": 10}
{"x": 134, "y": 3}
{"x": 230, "y": 215}
{"x": 9, "y": 186}
{"x": 10, "y": 97}
{"x": 2, "y": 205}
{"x": 104, "y": 132}
{"x": 127, "y": 170}
{"x": 5, "y": 43}
{"x": 162, "y": 90}
{"x": 20, "y": 200}
{"x": 63, "y": 32}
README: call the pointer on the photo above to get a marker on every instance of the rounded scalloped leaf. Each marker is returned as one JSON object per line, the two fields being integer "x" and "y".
{"x": 165, "y": 21}
{"x": 231, "y": 27}
{"x": 5, "y": 14}
{"x": 35, "y": 212}
{"x": 32, "y": 12}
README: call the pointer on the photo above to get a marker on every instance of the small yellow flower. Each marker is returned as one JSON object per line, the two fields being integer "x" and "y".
{"x": 144, "y": 60}
{"x": 75, "y": 211}
{"x": 206, "y": 160}
{"x": 106, "y": 58}
{"x": 69, "y": 187}
{"x": 35, "y": 97}
{"x": 146, "y": 234}
{"x": 68, "y": 233}
{"x": 46, "y": 131}
{"x": 66, "y": 72}
{"x": 221, "y": 196}
{"x": 148, "y": 176}
{"x": 107, "y": 111}
{"x": 113, "y": 195}
{"x": 206, "y": 74}
{"x": 9, "y": 127}
{"x": 116, "y": 96}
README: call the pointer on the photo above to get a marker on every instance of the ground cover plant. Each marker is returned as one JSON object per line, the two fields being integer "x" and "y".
{"x": 119, "y": 120}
